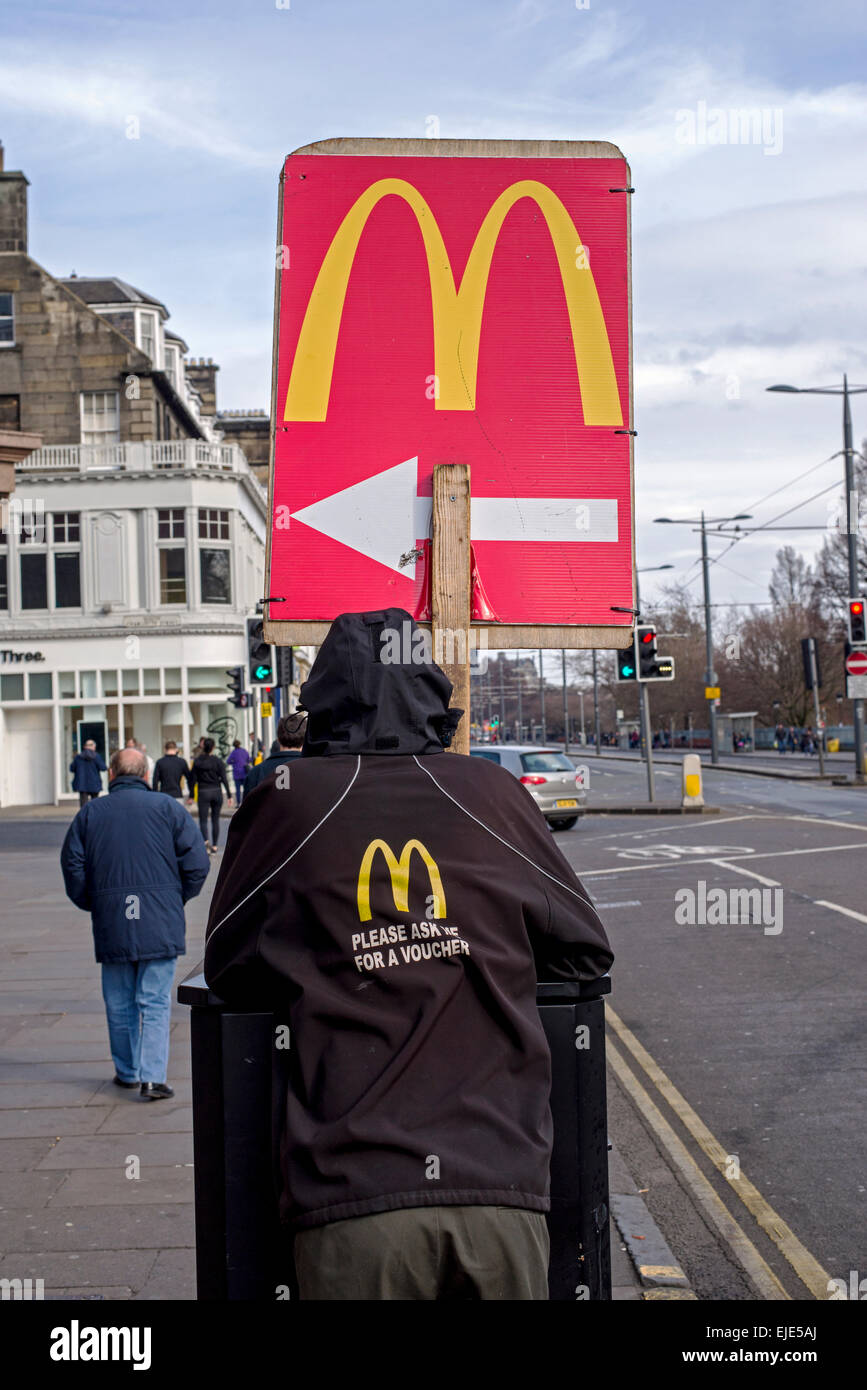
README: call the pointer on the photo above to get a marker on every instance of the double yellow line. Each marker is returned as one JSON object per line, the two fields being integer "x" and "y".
{"x": 768, "y": 1286}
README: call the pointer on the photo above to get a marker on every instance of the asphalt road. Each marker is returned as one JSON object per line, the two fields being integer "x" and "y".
{"x": 759, "y": 1027}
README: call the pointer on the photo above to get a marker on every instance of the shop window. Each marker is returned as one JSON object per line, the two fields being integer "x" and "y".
{"x": 66, "y": 685}
{"x": 173, "y": 575}
{"x": 11, "y": 687}
{"x": 172, "y": 676}
{"x": 130, "y": 682}
{"x": 109, "y": 682}
{"x": 67, "y": 580}
{"x": 151, "y": 682}
{"x": 40, "y": 685}
{"x": 88, "y": 685}
{"x": 216, "y": 575}
{"x": 201, "y": 680}
{"x": 34, "y": 581}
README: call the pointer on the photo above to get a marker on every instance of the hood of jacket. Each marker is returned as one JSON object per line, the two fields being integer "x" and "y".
{"x": 366, "y": 694}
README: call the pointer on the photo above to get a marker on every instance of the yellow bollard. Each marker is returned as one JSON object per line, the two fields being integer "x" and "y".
{"x": 692, "y": 780}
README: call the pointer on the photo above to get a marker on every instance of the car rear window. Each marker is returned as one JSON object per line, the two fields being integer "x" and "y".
{"x": 546, "y": 762}
{"x": 483, "y": 753}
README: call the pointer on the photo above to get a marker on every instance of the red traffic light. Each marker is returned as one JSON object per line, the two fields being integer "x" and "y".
{"x": 856, "y": 607}
{"x": 647, "y": 635}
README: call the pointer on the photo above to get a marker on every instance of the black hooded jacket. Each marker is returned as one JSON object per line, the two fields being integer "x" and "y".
{"x": 397, "y": 907}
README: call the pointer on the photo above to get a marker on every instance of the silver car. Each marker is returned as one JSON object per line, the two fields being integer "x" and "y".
{"x": 550, "y": 777}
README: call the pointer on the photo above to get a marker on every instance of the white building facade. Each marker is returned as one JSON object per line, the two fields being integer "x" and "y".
{"x": 127, "y": 572}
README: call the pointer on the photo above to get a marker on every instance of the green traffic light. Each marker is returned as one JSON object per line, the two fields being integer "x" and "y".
{"x": 628, "y": 670}
{"x": 263, "y": 672}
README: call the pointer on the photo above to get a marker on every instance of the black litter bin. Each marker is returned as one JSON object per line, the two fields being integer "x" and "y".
{"x": 239, "y": 1083}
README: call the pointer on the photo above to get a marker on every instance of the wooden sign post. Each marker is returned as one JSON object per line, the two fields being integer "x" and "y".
{"x": 450, "y": 587}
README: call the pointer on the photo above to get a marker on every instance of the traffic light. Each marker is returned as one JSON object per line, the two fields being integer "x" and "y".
{"x": 237, "y": 695}
{"x": 259, "y": 657}
{"x": 495, "y": 721}
{"x": 645, "y": 651}
{"x": 650, "y": 665}
{"x": 626, "y": 670}
{"x": 857, "y": 623}
{"x": 285, "y": 667}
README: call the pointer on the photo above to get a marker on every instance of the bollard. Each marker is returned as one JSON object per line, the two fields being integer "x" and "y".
{"x": 239, "y": 1086}
{"x": 692, "y": 792}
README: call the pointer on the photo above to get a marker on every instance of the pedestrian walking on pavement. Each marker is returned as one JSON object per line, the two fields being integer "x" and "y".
{"x": 780, "y": 736}
{"x": 239, "y": 761}
{"x": 399, "y": 906}
{"x": 132, "y": 860}
{"x": 207, "y": 778}
{"x": 86, "y": 767}
{"x": 289, "y": 741}
{"x": 169, "y": 771}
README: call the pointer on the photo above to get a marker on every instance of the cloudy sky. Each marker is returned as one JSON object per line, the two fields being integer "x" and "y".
{"x": 750, "y": 258}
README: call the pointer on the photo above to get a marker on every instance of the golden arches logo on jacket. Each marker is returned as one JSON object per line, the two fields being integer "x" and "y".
{"x": 457, "y": 312}
{"x": 399, "y": 869}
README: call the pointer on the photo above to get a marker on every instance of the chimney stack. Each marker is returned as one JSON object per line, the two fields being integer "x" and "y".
{"x": 13, "y": 209}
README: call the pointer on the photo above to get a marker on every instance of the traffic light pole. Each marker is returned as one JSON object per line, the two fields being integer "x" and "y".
{"x": 817, "y": 717}
{"x": 710, "y": 676}
{"x": 646, "y": 740}
{"x": 852, "y": 551}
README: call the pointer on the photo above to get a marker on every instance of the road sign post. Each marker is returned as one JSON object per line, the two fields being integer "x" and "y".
{"x": 450, "y": 587}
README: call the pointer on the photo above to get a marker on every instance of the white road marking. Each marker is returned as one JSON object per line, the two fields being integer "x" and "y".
{"x": 835, "y": 907}
{"x": 816, "y": 849}
{"x": 739, "y": 869}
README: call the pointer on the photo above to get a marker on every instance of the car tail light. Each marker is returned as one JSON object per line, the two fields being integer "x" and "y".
{"x": 534, "y": 781}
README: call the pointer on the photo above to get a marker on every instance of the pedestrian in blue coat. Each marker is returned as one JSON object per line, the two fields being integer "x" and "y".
{"x": 132, "y": 859}
{"x": 85, "y": 768}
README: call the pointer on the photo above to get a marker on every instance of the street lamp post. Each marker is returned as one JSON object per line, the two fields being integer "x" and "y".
{"x": 851, "y": 524}
{"x": 597, "y": 736}
{"x": 710, "y": 673}
{"x": 565, "y": 706}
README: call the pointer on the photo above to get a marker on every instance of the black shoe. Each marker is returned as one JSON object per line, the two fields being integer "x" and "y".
{"x": 127, "y": 1085}
{"x": 155, "y": 1090}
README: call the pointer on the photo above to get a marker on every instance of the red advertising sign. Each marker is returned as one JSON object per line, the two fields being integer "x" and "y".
{"x": 438, "y": 308}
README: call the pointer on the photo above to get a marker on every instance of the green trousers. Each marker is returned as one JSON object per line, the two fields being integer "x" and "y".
{"x": 456, "y": 1254}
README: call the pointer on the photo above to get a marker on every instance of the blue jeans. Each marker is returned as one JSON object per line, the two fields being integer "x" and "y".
{"x": 138, "y": 1001}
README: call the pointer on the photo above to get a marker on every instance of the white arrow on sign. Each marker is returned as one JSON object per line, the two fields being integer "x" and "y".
{"x": 383, "y": 516}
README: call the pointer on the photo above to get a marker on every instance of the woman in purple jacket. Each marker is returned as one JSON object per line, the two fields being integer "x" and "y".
{"x": 239, "y": 761}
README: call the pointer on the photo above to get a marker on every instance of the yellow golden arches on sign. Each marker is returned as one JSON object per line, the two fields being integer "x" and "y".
{"x": 399, "y": 871}
{"x": 457, "y": 314}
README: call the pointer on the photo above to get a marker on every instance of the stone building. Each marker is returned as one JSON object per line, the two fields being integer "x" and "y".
{"x": 133, "y": 550}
